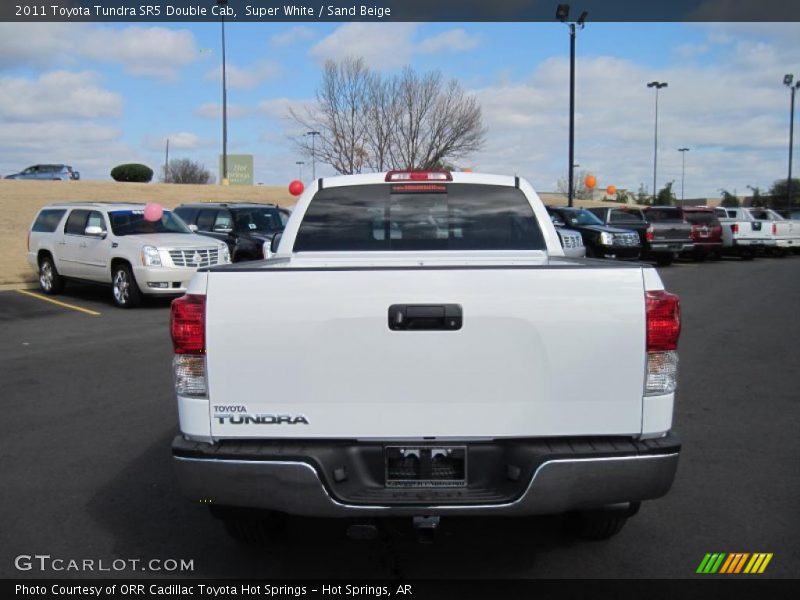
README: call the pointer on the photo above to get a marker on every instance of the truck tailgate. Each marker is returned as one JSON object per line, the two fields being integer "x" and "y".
{"x": 542, "y": 351}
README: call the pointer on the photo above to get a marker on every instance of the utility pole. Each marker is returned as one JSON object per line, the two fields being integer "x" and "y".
{"x": 313, "y": 135}
{"x": 683, "y": 152}
{"x": 657, "y": 85}
{"x": 562, "y": 14}
{"x": 224, "y": 178}
{"x": 787, "y": 80}
{"x": 166, "y": 164}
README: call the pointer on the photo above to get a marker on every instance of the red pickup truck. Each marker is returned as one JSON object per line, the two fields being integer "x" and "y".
{"x": 706, "y": 231}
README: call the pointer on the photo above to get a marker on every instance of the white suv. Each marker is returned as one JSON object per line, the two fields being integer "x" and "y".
{"x": 114, "y": 244}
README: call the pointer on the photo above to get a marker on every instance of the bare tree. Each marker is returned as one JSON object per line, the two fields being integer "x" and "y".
{"x": 579, "y": 184}
{"x": 407, "y": 121}
{"x": 340, "y": 115}
{"x": 183, "y": 170}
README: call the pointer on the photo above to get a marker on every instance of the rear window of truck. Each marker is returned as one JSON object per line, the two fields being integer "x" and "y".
{"x": 702, "y": 218}
{"x": 425, "y": 216}
{"x": 664, "y": 214}
{"x": 48, "y": 220}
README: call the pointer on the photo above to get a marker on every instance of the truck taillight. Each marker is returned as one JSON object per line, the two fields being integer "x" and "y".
{"x": 663, "y": 321}
{"x": 734, "y": 228}
{"x": 188, "y": 324}
{"x": 419, "y": 176}
{"x": 188, "y": 329}
{"x": 650, "y": 234}
{"x": 774, "y": 229}
{"x": 663, "y": 330}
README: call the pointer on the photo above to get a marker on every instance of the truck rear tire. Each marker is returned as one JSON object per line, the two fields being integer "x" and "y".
{"x": 248, "y": 527}
{"x": 600, "y": 524}
{"x": 664, "y": 260}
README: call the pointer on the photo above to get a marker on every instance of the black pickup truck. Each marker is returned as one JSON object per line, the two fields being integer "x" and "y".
{"x": 663, "y": 231}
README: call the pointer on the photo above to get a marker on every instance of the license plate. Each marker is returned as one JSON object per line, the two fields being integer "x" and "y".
{"x": 425, "y": 466}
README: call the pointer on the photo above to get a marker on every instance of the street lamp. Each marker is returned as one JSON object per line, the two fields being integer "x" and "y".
{"x": 657, "y": 85}
{"x": 683, "y": 152}
{"x": 562, "y": 15}
{"x": 313, "y": 135}
{"x": 224, "y": 102}
{"x": 300, "y": 164}
{"x": 787, "y": 81}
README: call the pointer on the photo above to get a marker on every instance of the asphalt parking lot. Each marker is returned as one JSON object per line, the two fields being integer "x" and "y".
{"x": 89, "y": 416}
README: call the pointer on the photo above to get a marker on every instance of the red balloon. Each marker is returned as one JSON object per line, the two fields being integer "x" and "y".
{"x": 296, "y": 187}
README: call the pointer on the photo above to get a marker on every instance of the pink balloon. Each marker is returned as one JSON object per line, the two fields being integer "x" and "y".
{"x": 153, "y": 212}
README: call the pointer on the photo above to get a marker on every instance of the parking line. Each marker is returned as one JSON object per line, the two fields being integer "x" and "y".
{"x": 64, "y": 304}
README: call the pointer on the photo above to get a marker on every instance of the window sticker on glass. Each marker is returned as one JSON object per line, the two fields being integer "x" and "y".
{"x": 252, "y": 225}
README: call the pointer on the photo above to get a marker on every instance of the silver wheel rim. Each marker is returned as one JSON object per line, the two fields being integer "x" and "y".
{"x": 121, "y": 287}
{"x": 46, "y": 276}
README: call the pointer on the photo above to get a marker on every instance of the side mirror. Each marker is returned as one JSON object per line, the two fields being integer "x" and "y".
{"x": 276, "y": 241}
{"x": 192, "y": 228}
{"x": 558, "y": 223}
{"x": 95, "y": 231}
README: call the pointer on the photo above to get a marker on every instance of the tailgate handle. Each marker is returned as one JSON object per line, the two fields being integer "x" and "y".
{"x": 425, "y": 317}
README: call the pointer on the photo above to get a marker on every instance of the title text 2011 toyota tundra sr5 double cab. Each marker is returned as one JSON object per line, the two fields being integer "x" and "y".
{"x": 407, "y": 352}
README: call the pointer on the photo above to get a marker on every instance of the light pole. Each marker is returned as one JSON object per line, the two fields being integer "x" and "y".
{"x": 787, "y": 81}
{"x": 562, "y": 15}
{"x": 224, "y": 180}
{"x": 683, "y": 152}
{"x": 658, "y": 85}
{"x": 300, "y": 164}
{"x": 313, "y": 135}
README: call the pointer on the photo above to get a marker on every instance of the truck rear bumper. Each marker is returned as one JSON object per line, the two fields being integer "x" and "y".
{"x": 553, "y": 476}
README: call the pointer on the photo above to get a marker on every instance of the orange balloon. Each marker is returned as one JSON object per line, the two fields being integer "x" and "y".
{"x": 590, "y": 181}
{"x": 611, "y": 190}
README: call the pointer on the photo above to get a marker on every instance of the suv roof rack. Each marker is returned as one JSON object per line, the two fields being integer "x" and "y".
{"x": 99, "y": 204}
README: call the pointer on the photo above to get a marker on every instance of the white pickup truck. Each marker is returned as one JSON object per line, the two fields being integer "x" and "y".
{"x": 742, "y": 234}
{"x": 420, "y": 346}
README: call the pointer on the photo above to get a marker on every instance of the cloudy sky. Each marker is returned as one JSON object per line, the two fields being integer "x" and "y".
{"x": 96, "y": 95}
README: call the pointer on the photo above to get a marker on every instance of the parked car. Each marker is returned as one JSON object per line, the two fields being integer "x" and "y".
{"x": 462, "y": 368}
{"x": 601, "y": 241}
{"x": 47, "y": 172}
{"x": 571, "y": 242}
{"x": 113, "y": 244}
{"x": 706, "y": 231}
{"x": 668, "y": 233}
{"x": 246, "y": 228}
{"x": 626, "y": 217}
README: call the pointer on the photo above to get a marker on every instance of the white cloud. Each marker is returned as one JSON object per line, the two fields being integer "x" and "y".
{"x": 57, "y": 95}
{"x": 245, "y": 78}
{"x": 142, "y": 51}
{"x": 154, "y": 51}
{"x": 181, "y": 140}
{"x": 300, "y": 33}
{"x": 454, "y": 40}
{"x": 735, "y": 129}
{"x": 689, "y": 51}
{"x": 38, "y": 45}
{"x": 213, "y": 110}
{"x": 388, "y": 45}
